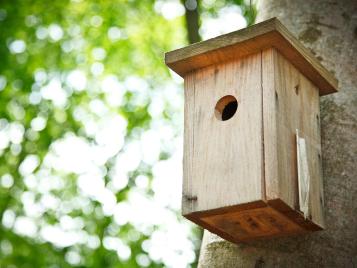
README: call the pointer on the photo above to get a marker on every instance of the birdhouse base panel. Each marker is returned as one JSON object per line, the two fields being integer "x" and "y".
{"x": 254, "y": 221}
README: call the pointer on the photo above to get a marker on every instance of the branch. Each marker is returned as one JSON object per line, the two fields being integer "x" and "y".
{"x": 192, "y": 20}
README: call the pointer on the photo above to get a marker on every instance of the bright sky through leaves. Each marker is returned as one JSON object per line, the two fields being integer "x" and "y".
{"x": 91, "y": 132}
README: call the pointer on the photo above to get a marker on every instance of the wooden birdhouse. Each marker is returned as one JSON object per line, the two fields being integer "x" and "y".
{"x": 252, "y": 151}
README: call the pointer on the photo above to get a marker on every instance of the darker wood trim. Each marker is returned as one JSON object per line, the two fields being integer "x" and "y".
{"x": 277, "y": 204}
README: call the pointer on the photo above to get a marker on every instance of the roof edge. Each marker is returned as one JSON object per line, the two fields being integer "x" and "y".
{"x": 214, "y": 43}
{"x": 250, "y": 40}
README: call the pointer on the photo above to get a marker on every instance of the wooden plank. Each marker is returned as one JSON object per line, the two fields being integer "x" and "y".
{"x": 299, "y": 56}
{"x": 290, "y": 102}
{"x": 253, "y": 224}
{"x": 198, "y": 218}
{"x": 270, "y": 33}
{"x": 254, "y": 221}
{"x": 189, "y": 198}
{"x": 269, "y": 103}
{"x": 294, "y": 215}
{"x": 223, "y": 159}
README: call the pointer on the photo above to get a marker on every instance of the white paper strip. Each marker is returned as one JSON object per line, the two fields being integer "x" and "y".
{"x": 303, "y": 175}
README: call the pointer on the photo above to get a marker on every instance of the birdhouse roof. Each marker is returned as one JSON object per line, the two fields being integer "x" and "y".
{"x": 267, "y": 34}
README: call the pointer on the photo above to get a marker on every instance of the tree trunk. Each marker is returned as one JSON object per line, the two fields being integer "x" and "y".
{"x": 329, "y": 29}
{"x": 192, "y": 20}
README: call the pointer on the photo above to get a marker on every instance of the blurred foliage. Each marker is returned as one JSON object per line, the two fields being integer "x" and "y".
{"x": 248, "y": 8}
{"x": 55, "y": 56}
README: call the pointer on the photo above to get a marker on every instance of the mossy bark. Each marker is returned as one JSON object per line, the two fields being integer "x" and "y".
{"x": 329, "y": 29}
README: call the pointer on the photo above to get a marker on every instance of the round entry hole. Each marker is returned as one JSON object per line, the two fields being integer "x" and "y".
{"x": 226, "y": 107}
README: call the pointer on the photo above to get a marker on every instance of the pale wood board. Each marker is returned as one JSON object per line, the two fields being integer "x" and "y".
{"x": 223, "y": 159}
{"x": 188, "y": 199}
{"x": 251, "y": 40}
{"x": 270, "y": 116}
{"x": 284, "y": 111}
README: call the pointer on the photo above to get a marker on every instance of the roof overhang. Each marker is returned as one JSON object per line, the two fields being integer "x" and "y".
{"x": 267, "y": 34}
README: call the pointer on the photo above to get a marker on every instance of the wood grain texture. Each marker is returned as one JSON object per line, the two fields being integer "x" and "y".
{"x": 336, "y": 245}
{"x": 290, "y": 102}
{"x": 253, "y": 221}
{"x": 270, "y": 116}
{"x": 240, "y": 175}
{"x": 202, "y": 218}
{"x": 223, "y": 159}
{"x": 189, "y": 197}
{"x": 270, "y": 33}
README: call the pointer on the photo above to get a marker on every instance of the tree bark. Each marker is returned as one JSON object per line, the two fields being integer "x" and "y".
{"x": 329, "y": 29}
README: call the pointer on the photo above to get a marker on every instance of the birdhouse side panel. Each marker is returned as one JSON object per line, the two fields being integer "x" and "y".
{"x": 291, "y": 106}
{"x": 223, "y": 159}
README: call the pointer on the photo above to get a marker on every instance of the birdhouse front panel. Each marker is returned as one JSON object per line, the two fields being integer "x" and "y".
{"x": 223, "y": 145}
{"x": 252, "y": 153}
